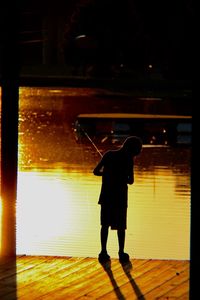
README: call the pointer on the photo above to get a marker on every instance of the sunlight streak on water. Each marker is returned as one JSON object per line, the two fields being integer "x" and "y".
{"x": 56, "y": 211}
{"x": 60, "y": 216}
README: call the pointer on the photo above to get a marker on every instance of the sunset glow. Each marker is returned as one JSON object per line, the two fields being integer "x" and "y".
{"x": 58, "y": 214}
{"x": 57, "y": 193}
{"x": 42, "y": 205}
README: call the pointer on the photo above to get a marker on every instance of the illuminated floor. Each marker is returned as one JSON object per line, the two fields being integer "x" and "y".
{"x": 51, "y": 277}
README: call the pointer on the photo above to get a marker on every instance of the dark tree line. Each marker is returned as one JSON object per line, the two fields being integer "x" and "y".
{"x": 131, "y": 34}
{"x": 106, "y": 37}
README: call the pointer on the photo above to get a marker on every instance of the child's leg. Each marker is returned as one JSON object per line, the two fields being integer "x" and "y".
{"x": 121, "y": 239}
{"x": 123, "y": 257}
{"x": 104, "y": 238}
{"x": 103, "y": 255}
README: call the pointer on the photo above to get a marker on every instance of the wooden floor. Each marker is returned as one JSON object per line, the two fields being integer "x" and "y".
{"x": 44, "y": 277}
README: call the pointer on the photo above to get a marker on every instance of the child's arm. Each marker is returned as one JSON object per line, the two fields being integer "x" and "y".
{"x": 98, "y": 170}
{"x": 131, "y": 174}
{"x": 130, "y": 178}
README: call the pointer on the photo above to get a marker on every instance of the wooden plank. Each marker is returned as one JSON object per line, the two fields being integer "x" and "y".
{"x": 7, "y": 270}
{"x": 118, "y": 279}
{"x": 7, "y": 277}
{"x": 72, "y": 280}
{"x": 169, "y": 286}
{"x": 111, "y": 275}
{"x": 8, "y": 292}
{"x": 178, "y": 291}
{"x": 41, "y": 266}
{"x": 81, "y": 284}
{"x": 138, "y": 285}
{"x": 157, "y": 277}
{"x": 46, "y": 281}
{"x": 10, "y": 268}
{"x": 185, "y": 296}
{"x": 76, "y": 284}
{"x": 76, "y": 278}
{"x": 10, "y": 274}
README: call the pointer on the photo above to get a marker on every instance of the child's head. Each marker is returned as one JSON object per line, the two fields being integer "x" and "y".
{"x": 132, "y": 145}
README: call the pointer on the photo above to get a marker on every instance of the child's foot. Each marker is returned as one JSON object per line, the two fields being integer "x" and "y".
{"x": 103, "y": 257}
{"x": 123, "y": 257}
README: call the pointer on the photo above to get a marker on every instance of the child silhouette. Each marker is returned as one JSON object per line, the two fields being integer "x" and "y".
{"x": 117, "y": 170}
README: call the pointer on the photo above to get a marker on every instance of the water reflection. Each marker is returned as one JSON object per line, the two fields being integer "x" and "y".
{"x": 58, "y": 214}
{"x": 57, "y": 210}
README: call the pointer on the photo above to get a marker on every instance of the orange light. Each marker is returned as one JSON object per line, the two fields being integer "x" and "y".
{"x": 0, "y": 223}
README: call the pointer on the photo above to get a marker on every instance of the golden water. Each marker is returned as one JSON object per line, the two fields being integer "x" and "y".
{"x": 57, "y": 194}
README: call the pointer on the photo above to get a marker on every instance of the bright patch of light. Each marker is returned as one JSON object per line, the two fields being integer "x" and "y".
{"x": 45, "y": 209}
